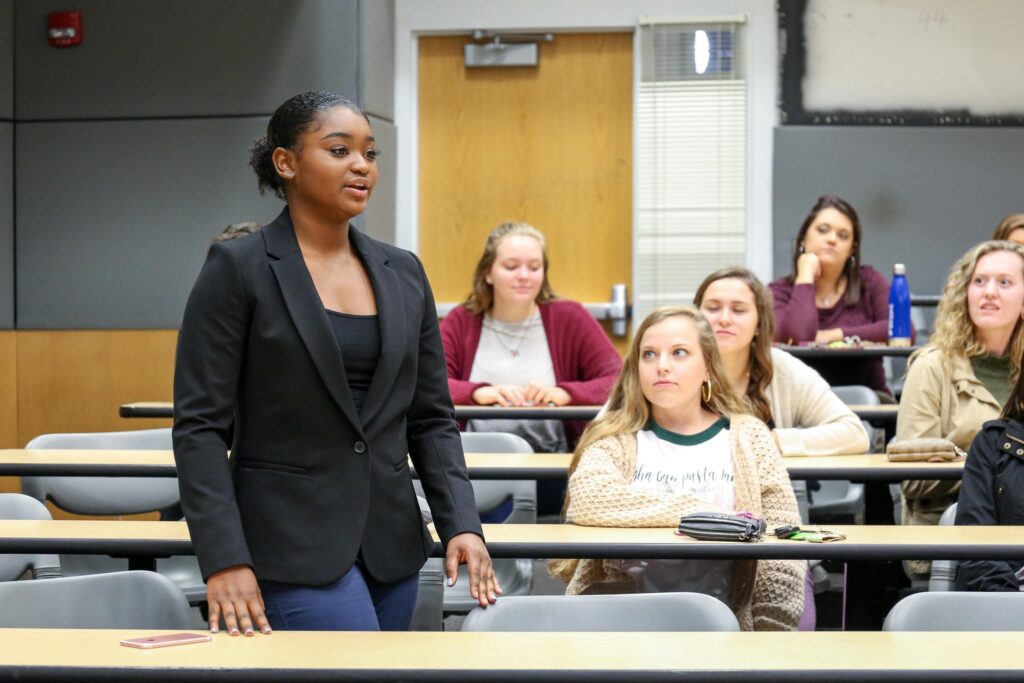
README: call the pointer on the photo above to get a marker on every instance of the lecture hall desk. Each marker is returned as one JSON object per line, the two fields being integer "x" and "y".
{"x": 114, "y": 463}
{"x": 143, "y": 539}
{"x": 58, "y": 654}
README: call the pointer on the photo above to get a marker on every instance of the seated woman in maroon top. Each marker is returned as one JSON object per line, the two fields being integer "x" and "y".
{"x": 829, "y": 295}
{"x": 514, "y": 343}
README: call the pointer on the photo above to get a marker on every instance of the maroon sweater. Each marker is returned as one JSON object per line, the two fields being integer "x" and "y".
{"x": 798, "y": 319}
{"x": 585, "y": 362}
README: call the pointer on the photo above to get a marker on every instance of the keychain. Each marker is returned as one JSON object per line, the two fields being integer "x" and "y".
{"x": 792, "y": 532}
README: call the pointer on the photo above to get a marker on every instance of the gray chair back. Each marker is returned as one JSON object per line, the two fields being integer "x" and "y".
{"x": 123, "y": 600}
{"x": 856, "y": 394}
{"x": 952, "y": 611}
{"x": 514, "y": 575}
{"x": 115, "y": 496}
{"x": 491, "y": 494}
{"x": 943, "y": 576}
{"x": 829, "y": 498}
{"x": 631, "y": 612}
{"x": 105, "y": 495}
{"x": 19, "y": 506}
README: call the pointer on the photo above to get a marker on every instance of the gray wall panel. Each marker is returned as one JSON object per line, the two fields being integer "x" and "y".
{"x": 377, "y": 57}
{"x": 6, "y": 226}
{"x": 924, "y": 195}
{"x": 114, "y": 218}
{"x": 163, "y": 58}
{"x": 379, "y": 219}
{"x": 6, "y": 59}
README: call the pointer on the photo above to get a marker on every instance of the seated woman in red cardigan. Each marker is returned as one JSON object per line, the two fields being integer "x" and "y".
{"x": 513, "y": 343}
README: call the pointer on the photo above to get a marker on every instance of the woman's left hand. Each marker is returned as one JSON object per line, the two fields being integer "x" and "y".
{"x": 542, "y": 395}
{"x": 469, "y": 548}
{"x": 826, "y": 336}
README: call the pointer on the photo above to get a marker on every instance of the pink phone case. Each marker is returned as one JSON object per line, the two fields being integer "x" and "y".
{"x": 168, "y": 640}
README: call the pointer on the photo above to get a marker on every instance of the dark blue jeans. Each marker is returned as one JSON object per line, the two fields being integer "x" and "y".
{"x": 355, "y": 602}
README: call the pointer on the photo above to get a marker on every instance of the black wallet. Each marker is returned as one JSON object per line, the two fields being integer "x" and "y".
{"x": 719, "y": 526}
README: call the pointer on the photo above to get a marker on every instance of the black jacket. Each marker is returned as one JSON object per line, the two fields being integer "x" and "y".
{"x": 311, "y": 484}
{"x": 992, "y": 493}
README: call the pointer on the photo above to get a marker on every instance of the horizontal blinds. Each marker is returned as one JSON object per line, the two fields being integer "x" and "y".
{"x": 691, "y": 162}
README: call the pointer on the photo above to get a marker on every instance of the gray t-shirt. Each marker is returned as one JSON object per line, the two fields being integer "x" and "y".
{"x": 517, "y": 353}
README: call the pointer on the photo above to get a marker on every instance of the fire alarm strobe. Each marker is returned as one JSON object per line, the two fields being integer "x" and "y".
{"x": 65, "y": 28}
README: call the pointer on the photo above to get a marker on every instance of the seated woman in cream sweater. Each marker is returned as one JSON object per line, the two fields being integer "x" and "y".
{"x": 783, "y": 392}
{"x": 674, "y": 440}
{"x": 805, "y": 417}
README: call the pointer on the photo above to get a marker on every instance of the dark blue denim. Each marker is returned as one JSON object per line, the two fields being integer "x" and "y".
{"x": 355, "y": 602}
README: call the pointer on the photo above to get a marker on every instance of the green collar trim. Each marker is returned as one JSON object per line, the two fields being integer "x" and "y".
{"x": 687, "y": 439}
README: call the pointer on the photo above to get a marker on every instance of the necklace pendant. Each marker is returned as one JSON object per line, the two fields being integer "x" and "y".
{"x": 515, "y": 354}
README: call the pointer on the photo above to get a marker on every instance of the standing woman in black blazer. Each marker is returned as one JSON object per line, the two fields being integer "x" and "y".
{"x": 313, "y": 352}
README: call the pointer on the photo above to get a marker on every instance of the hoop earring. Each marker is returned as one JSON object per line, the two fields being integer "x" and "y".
{"x": 800, "y": 249}
{"x": 705, "y": 390}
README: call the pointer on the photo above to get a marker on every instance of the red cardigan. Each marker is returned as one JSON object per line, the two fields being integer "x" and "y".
{"x": 585, "y": 362}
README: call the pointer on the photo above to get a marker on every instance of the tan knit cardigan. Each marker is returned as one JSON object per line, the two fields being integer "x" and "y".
{"x": 765, "y": 595}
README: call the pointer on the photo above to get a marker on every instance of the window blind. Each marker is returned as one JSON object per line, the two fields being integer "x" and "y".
{"x": 691, "y": 159}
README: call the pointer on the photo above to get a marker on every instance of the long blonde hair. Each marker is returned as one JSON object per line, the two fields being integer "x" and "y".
{"x": 481, "y": 298}
{"x": 629, "y": 410}
{"x": 955, "y": 334}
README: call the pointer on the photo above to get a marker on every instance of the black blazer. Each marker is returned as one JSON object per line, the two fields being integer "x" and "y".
{"x": 311, "y": 484}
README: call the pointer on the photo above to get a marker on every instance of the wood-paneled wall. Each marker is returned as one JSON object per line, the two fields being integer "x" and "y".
{"x": 74, "y": 381}
{"x": 9, "y": 400}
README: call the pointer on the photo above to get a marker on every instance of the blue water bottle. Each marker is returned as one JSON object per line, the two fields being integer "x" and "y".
{"x": 899, "y": 307}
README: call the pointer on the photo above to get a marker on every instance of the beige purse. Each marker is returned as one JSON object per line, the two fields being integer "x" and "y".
{"x": 925, "y": 449}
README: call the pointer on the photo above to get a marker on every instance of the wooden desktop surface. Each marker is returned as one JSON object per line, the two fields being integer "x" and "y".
{"x": 884, "y": 414}
{"x": 481, "y": 466}
{"x": 863, "y": 542}
{"x": 55, "y": 653}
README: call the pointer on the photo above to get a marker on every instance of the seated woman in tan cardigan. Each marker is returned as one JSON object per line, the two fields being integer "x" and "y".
{"x": 674, "y": 440}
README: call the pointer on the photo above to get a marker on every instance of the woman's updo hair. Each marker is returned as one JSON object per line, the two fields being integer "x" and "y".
{"x": 292, "y": 119}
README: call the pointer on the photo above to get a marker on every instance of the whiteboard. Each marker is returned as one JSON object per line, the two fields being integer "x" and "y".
{"x": 886, "y": 55}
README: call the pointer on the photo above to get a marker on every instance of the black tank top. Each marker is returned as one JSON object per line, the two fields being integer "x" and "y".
{"x": 358, "y": 337}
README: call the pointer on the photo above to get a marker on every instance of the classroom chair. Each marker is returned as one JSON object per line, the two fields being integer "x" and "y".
{"x": 428, "y": 615}
{"x": 952, "y": 611}
{"x": 136, "y": 600}
{"x": 630, "y": 612}
{"x": 829, "y": 499}
{"x": 943, "y": 576}
{"x": 116, "y": 496}
{"x": 12, "y": 567}
{"x": 515, "y": 575}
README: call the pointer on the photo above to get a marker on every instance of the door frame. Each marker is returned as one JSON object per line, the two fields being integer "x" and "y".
{"x": 414, "y": 18}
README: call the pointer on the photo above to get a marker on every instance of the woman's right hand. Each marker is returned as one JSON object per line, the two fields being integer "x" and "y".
{"x": 234, "y": 594}
{"x": 504, "y": 395}
{"x": 808, "y": 269}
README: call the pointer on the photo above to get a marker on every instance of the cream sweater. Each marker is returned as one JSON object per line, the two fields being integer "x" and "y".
{"x": 766, "y": 595}
{"x": 809, "y": 418}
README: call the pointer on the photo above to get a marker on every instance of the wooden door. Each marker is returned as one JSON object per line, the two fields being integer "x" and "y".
{"x": 550, "y": 145}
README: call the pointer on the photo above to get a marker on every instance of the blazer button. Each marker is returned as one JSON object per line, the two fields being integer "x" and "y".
{"x": 359, "y": 447}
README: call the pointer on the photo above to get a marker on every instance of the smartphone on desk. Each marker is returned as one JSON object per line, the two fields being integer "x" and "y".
{"x": 150, "y": 642}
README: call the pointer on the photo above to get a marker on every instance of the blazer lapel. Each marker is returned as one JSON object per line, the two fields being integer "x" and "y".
{"x": 307, "y": 311}
{"x": 391, "y": 317}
